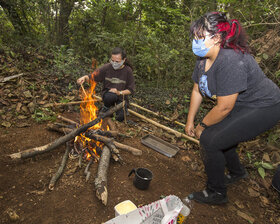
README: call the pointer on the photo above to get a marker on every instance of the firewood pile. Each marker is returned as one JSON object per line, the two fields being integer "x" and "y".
{"x": 90, "y": 145}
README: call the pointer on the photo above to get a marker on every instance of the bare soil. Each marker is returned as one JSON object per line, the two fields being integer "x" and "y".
{"x": 24, "y": 184}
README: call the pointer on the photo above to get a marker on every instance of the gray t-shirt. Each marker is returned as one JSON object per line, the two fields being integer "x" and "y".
{"x": 235, "y": 72}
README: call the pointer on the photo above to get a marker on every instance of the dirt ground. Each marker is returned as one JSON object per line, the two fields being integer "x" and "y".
{"x": 24, "y": 184}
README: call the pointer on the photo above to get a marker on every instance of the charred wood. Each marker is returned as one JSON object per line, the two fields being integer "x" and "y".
{"x": 100, "y": 138}
{"x": 57, "y": 175}
{"x": 42, "y": 149}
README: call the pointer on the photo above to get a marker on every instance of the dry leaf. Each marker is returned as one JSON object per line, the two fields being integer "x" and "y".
{"x": 18, "y": 107}
{"x": 27, "y": 94}
{"x": 21, "y": 117}
{"x": 23, "y": 125}
{"x": 275, "y": 157}
{"x": 186, "y": 159}
{"x": 31, "y": 107}
{"x": 253, "y": 193}
{"x": 6, "y": 124}
{"x": 266, "y": 157}
{"x": 264, "y": 200}
{"x": 175, "y": 115}
{"x": 239, "y": 204}
{"x": 12, "y": 215}
{"x": 245, "y": 216}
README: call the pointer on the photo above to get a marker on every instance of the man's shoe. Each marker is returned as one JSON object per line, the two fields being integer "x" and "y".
{"x": 208, "y": 196}
{"x": 232, "y": 178}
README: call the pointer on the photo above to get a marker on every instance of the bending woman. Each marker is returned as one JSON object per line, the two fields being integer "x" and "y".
{"x": 118, "y": 81}
{"x": 247, "y": 102}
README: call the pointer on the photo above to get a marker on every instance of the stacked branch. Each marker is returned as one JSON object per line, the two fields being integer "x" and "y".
{"x": 42, "y": 149}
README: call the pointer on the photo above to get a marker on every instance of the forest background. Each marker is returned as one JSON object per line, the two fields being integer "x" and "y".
{"x": 65, "y": 38}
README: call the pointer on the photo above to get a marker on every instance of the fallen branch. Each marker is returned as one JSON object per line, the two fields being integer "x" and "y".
{"x": 61, "y": 168}
{"x": 68, "y": 120}
{"x": 177, "y": 133}
{"x": 87, "y": 172}
{"x": 100, "y": 138}
{"x": 10, "y": 77}
{"x": 156, "y": 114}
{"x": 42, "y": 149}
{"x": 149, "y": 111}
{"x": 69, "y": 103}
{"x": 101, "y": 177}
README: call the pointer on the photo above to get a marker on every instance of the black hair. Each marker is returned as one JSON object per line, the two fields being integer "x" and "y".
{"x": 231, "y": 32}
{"x": 121, "y": 51}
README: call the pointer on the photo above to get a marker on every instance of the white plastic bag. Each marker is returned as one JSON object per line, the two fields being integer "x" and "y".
{"x": 164, "y": 211}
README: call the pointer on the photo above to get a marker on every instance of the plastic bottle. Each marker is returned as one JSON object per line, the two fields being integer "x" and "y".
{"x": 187, "y": 205}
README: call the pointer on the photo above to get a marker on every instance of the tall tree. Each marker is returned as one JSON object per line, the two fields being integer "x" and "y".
{"x": 66, "y": 7}
{"x": 10, "y": 9}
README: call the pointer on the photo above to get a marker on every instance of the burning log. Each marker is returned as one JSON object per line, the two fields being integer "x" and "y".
{"x": 101, "y": 178}
{"x": 42, "y": 149}
{"x": 100, "y": 138}
{"x": 61, "y": 168}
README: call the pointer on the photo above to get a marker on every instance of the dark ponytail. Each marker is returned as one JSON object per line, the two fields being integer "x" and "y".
{"x": 231, "y": 32}
{"x": 118, "y": 50}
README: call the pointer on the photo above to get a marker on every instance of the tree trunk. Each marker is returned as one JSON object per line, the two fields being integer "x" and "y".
{"x": 10, "y": 9}
{"x": 66, "y": 7}
{"x": 104, "y": 13}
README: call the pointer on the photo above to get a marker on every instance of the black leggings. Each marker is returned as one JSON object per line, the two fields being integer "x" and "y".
{"x": 110, "y": 99}
{"x": 219, "y": 141}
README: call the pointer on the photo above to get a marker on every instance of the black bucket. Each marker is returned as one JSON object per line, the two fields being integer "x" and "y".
{"x": 142, "y": 178}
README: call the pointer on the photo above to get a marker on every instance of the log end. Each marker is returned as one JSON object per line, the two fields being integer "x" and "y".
{"x": 15, "y": 155}
{"x": 102, "y": 193}
{"x": 51, "y": 187}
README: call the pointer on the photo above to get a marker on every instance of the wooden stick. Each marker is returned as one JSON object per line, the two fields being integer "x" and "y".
{"x": 61, "y": 168}
{"x": 177, "y": 133}
{"x": 10, "y": 77}
{"x": 82, "y": 86}
{"x": 101, "y": 178}
{"x": 100, "y": 138}
{"x": 67, "y": 120}
{"x": 87, "y": 172}
{"x": 156, "y": 114}
{"x": 65, "y": 104}
{"x": 42, "y": 149}
{"x": 148, "y": 111}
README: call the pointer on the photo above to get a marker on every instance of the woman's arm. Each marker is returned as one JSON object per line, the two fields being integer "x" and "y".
{"x": 224, "y": 105}
{"x": 196, "y": 99}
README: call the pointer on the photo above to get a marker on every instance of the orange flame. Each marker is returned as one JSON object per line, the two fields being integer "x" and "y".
{"x": 88, "y": 112}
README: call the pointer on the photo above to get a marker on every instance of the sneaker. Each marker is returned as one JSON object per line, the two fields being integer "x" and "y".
{"x": 208, "y": 196}
{"x": 232, "y": 178}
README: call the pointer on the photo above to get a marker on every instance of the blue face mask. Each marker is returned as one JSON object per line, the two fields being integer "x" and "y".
{"x": 199, "y": 48}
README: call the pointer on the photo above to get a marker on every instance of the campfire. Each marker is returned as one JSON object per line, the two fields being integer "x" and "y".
{"x": 91, "y": 140}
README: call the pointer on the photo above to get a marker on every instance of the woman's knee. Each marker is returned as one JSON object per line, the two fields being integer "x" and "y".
{"x": 110, "y": 99}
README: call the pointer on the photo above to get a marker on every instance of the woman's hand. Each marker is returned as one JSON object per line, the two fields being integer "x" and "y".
{"x": 198, "y": 131}
{"x": 189, "y": 129}
{"x": 114, "y": 90}
{"x": 81, "y": 80}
